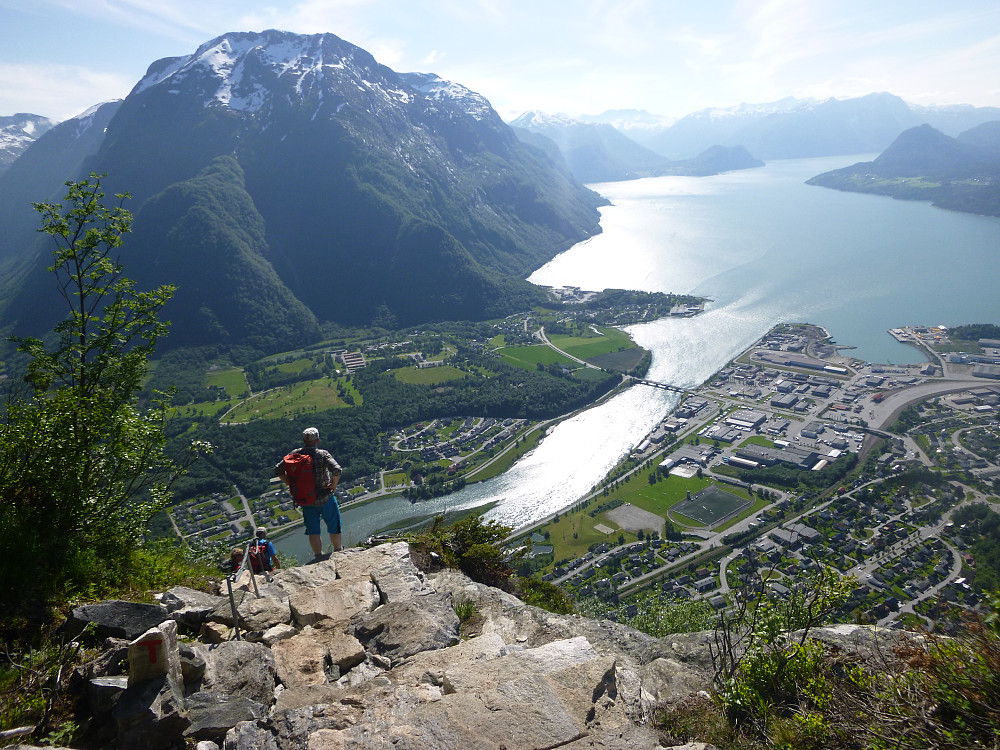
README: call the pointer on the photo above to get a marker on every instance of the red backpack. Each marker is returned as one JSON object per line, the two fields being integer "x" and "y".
{"x": 260, "y": 561}
{"x": 301, "y": 479}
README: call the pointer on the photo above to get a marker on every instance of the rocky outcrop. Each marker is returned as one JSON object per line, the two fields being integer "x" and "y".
{"x": 364, "y": 650}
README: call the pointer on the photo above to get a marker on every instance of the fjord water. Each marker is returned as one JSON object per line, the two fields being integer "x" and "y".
{"x": 765, "y": 248}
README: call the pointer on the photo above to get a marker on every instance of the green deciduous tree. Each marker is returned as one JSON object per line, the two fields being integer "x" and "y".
{"x": 82, "y": 465}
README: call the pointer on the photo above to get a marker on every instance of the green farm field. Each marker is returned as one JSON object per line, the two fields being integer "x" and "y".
{"x": 293, "y": 367}
{"x": 593, "y": 344}
{"x": 528, "y": 357}
{"x": 231, "y": 379}
{"x": 286, "y": 402}
{"x": 428, "y": 375}
{"x": 202, "y": 408}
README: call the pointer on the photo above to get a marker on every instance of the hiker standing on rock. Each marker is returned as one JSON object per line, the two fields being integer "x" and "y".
{"x": 311, "y": 474}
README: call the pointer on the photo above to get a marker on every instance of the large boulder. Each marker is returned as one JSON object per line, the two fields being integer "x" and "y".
{"x": 337, "y": 601}
{"x": 318, "y": 654}
{"x": 116, "y": 618}
{"x": 150, "y": 716}
{"x": 213, "y": 713}
{"x": 190, "y": 607}
{"x": 240, "y": 668}
{"x": 403, "y": 628}
{"x": 256, "y": 614}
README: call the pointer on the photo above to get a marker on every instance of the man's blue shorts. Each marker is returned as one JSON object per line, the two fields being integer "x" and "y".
{"x": 329, "y": 511}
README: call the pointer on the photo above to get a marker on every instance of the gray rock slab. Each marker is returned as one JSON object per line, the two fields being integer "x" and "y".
{"x": 212, "y": 713}
{"x": 291, "y": 580}
{"x": 303, "y": 723}
{"x": 189, "y": 607}
{"x": 255, "y": 614}
{"x": 193, "y": 664}
{"x": 150, "y": 716}
{"x": 665, "y": 680}
{"x": 277, "y": 633}
{"x": 301, "y": 659}
{"x": 337, "y": 600}
{"x": 401, "y": 629}
{"x": 116, "y": 618}
{"x": 524, "y": 714}
{"x": 626, "y": 738}
{"x": 103, "y": 693}
{"x": 248, "y": 735}
{"x": 240, "y": 668}
{"x": 583, "y": 680}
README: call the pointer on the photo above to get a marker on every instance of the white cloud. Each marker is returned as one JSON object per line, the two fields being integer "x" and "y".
{"x": 37, "y": 89}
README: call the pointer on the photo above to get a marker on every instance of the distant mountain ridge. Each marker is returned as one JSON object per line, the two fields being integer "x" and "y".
{"x": 962, "y": 174}
{"x": 342, "y": 189}
{"x": 598, "y": 152}
{"x": 797, "y": 128}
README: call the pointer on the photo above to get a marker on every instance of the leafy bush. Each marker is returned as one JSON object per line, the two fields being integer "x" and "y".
{"x": 767, "y": 666}
{"x": 473, "y": 546}
{"x": 82, "y": 465}
{"x": 545, "y": 595}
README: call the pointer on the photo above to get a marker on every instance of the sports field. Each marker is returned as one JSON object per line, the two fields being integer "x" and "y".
{"x": 711, "y": 506}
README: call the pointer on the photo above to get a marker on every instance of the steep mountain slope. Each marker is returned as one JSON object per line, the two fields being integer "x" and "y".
{"x": 38, "y": 175}
{"x": 593, "y": 152}
{"x": 985, "y": 136}
{"x": 924, "y": 164}
{"x": 374, "y": 189}
{"x": 17, "y": 132}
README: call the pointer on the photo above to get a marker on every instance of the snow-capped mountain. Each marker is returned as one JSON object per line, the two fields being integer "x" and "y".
{"x": 281, "y": 179}
{"x": 17, "y": 132}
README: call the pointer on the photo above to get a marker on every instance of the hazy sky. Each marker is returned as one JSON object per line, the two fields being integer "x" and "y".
{"x": 670, "y": 57}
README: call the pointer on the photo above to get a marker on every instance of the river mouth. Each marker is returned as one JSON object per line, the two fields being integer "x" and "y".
{"x": 765, "y": 248}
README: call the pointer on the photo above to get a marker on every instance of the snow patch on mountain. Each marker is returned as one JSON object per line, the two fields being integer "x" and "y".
{"x": 438, "y": 89}
{"x": 19, "y": 131}
{"x": 232, "y": 64}
{"x": 752, "y": 111}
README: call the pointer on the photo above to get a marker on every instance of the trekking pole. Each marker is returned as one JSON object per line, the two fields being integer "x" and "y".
{"x": 253, "y": 578}
{"x": 232, "y": 603}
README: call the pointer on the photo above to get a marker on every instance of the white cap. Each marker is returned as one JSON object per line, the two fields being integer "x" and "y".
{"x": 310, "y": 434}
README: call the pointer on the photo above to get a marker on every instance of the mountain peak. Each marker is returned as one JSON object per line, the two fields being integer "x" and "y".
{"x": 19, "y": 131}
{"x": 238, "y": 70}
{"x": 534, "y": 118}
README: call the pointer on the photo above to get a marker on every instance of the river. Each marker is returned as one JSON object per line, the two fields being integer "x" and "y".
{"x": 765, "y": 248}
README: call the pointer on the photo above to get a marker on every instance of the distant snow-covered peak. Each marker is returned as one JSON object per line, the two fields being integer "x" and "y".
{"x": 745, "y": 110}
{"x": 539, "y": 120}
{"x": 19, "y": 131}
{"x": 629, "y": 119}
